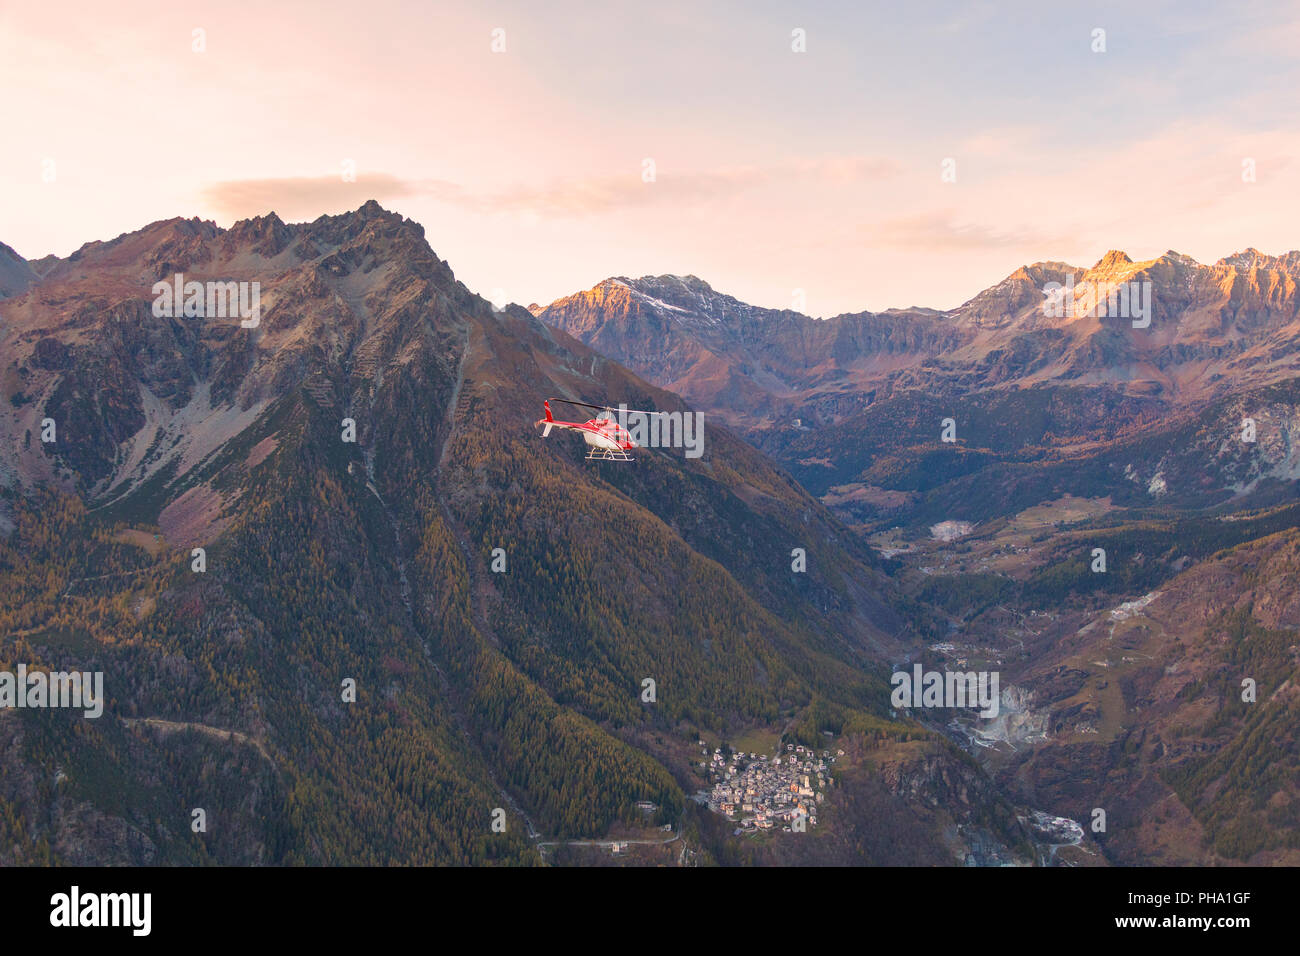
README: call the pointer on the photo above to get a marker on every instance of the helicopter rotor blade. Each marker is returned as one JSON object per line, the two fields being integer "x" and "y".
{"x": 602, "y": 408}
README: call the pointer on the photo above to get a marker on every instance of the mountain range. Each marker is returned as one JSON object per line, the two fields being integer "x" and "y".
{"x": 1213, "y": 327}
{"x": 852, "y": 406}
{"x": 373, "y": 504}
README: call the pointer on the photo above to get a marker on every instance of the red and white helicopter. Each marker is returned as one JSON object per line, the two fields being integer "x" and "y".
{"x": 608, "y": 440}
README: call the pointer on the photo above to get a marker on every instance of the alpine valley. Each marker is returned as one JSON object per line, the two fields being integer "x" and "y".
{"x": 348, "y": 603}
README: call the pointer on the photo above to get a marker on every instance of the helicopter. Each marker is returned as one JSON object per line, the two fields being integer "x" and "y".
{"x": 607, "y": 440}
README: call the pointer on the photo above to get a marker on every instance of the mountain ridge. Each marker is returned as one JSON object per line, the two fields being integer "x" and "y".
{"x": 1212, "y": 331}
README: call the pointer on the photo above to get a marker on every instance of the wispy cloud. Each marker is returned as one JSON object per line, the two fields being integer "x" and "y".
{"x": 572, "y": 198}
{"x": 944, "y": 231}
{"x": 305, "y": 197}
{"x": 585, "y": 197}
{"x": 971, "y": 15}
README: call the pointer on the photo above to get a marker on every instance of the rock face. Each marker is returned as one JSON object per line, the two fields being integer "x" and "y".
{"x": 15, "y": 272}
{"x": 138, "y": 394}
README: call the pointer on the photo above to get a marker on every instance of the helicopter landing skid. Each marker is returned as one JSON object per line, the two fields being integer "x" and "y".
{"x": 608, "y": 454}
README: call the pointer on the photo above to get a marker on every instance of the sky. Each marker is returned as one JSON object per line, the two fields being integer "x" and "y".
{"x": 910, "y": 154}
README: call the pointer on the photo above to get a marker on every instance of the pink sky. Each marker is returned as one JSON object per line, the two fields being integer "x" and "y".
{"x": 775, "y": 170}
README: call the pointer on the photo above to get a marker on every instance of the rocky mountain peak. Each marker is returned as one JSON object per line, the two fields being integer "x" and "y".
{"x": 15, "y": 272}
{"x": 1251, "y": 258}
{"x": 1113, "y": 259}
{"x": 1248, "y": 258}
{"x": 1180, "y": 260}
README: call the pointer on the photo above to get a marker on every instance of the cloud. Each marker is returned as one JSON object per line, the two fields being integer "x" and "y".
{"x": 974, "y": 15}
{"x": 1274, "y": 37}
{"x": 306, "y": 197}
{"x": 587, "y": 197}
{"x": 941, "y": 231}
{"x": 574, "y": 198}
